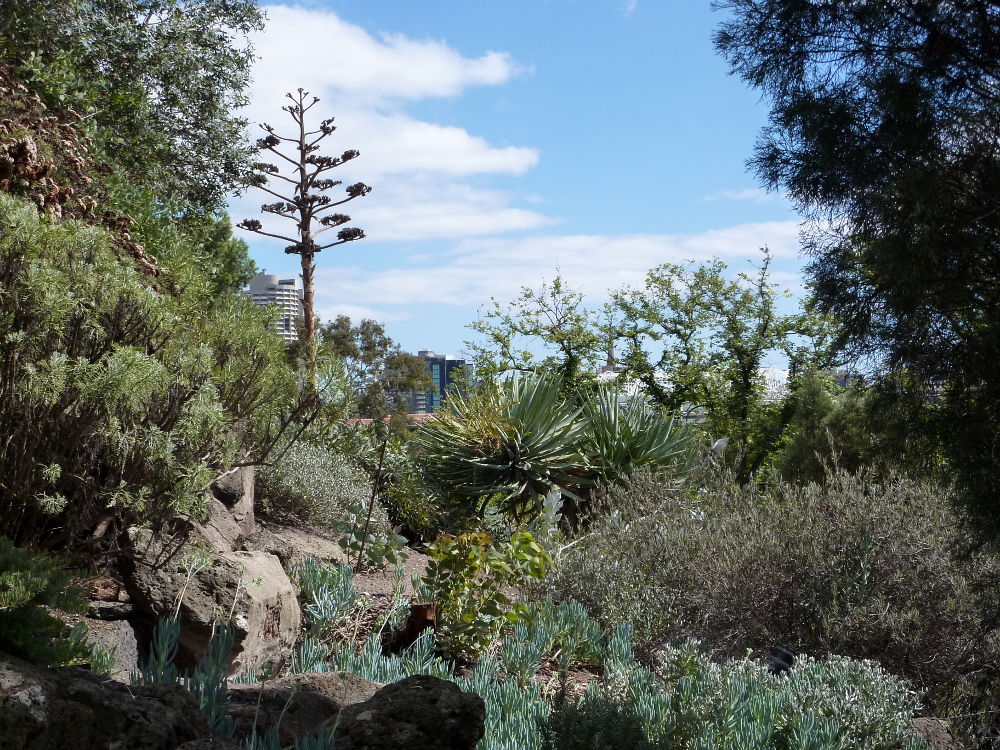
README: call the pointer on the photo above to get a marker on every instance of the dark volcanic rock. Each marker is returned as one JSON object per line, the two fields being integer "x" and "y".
{"x": 418, "y": 712}
{"x": 55, "y": 709}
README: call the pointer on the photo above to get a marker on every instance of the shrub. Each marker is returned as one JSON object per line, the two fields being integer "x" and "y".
{"x": 692, "y": 703}
{"x": 510, "y": 443}
{"x": 852, "y": 567}
{"x": 466, "y": 578}
{"x": 313, "y": 485}
{"x": 31, "y": 585}
{"x": 135, "y": 398}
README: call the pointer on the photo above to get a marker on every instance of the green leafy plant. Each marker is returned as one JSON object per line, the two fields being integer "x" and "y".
{"x": 510, "y": 444}
{"x": 625, "y": 435}
{"x": 367, "y": 545}
{"x": 31, "y": 585}
{"x": 466, "y": 577}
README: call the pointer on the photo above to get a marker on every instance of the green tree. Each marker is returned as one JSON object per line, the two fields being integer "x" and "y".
{"x": 158, "y": 83}
{"x": 379, "y": 373}
{"x": 546, "y": 330}
{"x": 696, "y": 339}
{"x": 883, "y": 131}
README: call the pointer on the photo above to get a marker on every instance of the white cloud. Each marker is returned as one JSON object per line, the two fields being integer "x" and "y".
{"x": 330, "y": 309}
{"x": 476, "y": 269}
{"x": 756, "y": 195}
{"x": 318, "y": 50}
{"x": 430, "y": 208}
{"x": 415, "y": 167}
{"x": 630, "y": 7}
{"x": 396, "y": 144}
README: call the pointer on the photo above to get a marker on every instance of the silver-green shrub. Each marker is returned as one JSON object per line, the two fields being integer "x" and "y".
{"x": 121, "y": 401}
{"x": 853, "y": 566}
{"x": 311, "y": 484}
{"x": 689, "y": 702}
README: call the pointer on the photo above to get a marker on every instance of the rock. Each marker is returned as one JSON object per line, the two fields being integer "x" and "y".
{"x": 418, "y": 712}
{"x": 109, "y": 610}
{"x": 120, "y": 636}
{"x": 235, "y": 489}
{"x": 298, "y": 705}
{"x": 264, "y": 540}
{"x": 935, "y": 733}
{"x": 107, "y": 589}
{"x": 311, "y": 543}
{"x": 266, "y": 614}
{"x": 43, "y": 709}
{"x": 219, "y": 531}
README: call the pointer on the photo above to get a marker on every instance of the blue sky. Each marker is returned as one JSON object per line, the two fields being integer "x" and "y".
{"x": 508, "y": 140}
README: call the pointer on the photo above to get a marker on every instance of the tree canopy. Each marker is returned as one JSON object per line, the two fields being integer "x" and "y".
{"x": 884, "y": 130}
{"x": 159, "y": 84}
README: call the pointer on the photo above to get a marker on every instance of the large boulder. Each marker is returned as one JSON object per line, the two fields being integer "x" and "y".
{"x": 251, "y": 585}
{"x": 235, "y": 490}
{"x": 219, "y": 531}
{"x": 417, "y": 712}
{"x": 42, "y": 709}
{"x": 299, "y": 705}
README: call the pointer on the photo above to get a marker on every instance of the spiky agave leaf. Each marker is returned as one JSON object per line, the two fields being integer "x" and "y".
{"x": 626, "y": 437}
{"x": 515, "y": 441}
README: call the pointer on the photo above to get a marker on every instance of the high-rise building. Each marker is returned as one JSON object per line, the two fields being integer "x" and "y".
{"x": 443, "y": 369}
{"x": 267, "y": 289}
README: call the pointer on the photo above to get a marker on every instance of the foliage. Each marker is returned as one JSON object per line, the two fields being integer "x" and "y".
{"x": 623, "y": 438}
{"x": 693, "y": 702}
{"x": 304, "y": 203}
{"x": 854, "y": 567}
{"x": 32, "y": 584}
{"x": 209, "y": 683}
{"x": 400, "y": 477}
{"x": 515, "y": 441}
{"x": 697, "y": 340}
{"x": 553, "y": 317}
{"x": 379, "y": 373}
{"x": 833, "y": 703}
{"x": 369, "y": 547}
{"x": 466, "y": 578}
{"x": 564, "y": 631}
{"x": 883, "y": 131}
{"x": 313, "y": 485}
{"x": 158, "y": 84}
{"x": 135, "y": 398}
{"x": 328, "y": 591}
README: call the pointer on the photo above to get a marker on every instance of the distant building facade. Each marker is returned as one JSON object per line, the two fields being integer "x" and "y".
{"x": 443, "y": 368}
{"x": 267, "y": 289}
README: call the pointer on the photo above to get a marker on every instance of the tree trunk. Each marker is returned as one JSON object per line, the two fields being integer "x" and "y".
{"x": 309, "y": 323}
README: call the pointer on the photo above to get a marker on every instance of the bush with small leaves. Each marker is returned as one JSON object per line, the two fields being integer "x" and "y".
{"x": 314, "y": 485}
{"x": 466, "y": 577}
{"x": 33, "y": 586}
{"x": 853, "y": 566}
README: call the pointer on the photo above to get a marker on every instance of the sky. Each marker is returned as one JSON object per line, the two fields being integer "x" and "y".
{"x": 508, "y": 141}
